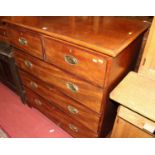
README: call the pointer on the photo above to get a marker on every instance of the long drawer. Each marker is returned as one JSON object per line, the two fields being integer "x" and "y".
{"x": 26, "y": 40}
{"x": 69, "y": 106}
{"x": 80, "y": 62}
{"x": 3, "y": 35}
{"x": 73, "y": 127}
{"x": 77, "y": 89}
{"x": 3, "y": 32}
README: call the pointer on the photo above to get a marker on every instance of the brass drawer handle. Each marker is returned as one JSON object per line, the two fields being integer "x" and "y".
{"x": 72, "y": 87}
{"x": 72, "y": 110}
{"x": 73, "y": 128}
{"x": 22, "y": 41}
{"x": 70, "y": 59}
{"x": 28, "y": 63}
{"x": 38, "y": 102}
{"x": 33, "y": 85}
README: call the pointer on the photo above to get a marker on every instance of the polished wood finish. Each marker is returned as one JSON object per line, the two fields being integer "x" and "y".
{"x": 107, "y": 35}
{"x": 124, "y": 62}
{"x": 87, "y": 94}
{"x": 71, "y": 126}
{"x": 83, "y": 115}
{"x": 129, "y": 124}
{"x": 3, "y": 31}
{"x": 117, "y": 68}
{"x": 77, "y": 66}
{"x": 32, "y": 40}
{"x": 56, "y": 52}
{"x": 3, "y": 34}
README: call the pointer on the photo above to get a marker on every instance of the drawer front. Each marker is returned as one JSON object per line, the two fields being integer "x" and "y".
{"x": 26, "y": 40}
{"x": 3, "y": 32}
{"x": 124, "y": 129}
{"x": 73, "y": 127}
{"x": 77, "y": 89}
{"x": 80, "y": 62}
{"x": 69, "y": 106}
{"x": 39, "y": 103}
{"x": 3, "y": 38}
{"x": 3, "y": 35}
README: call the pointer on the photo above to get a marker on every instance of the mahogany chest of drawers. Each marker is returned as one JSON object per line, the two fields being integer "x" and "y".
{"x": 68, "y": 66}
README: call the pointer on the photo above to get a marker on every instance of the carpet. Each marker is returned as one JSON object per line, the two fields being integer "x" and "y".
{"x": 20, "y": 121}
{"x": 3, "y": 134}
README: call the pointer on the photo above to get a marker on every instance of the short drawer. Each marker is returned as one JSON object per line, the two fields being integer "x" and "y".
{"x": 69, "y": 106}
{"x": 81, "y": 91}
{"x": 72, "y": 126}
{"x": 88, "y": 66}
{"x": 26, "y": 40}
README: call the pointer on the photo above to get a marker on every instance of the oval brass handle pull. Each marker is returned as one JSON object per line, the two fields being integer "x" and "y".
{"x": 28, "y": 63}
{"x": 72, "y": 87}
{"x": 72, "y": 110}
{"x": 22, "y": 41}
{"x": 73, "y": 128}
{"x": 70, "y": 59}
{"x": 33, "y": 85}
{"x": 37, "y": 101}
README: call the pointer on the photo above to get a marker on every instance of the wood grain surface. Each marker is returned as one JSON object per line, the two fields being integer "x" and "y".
{"x": 73, "y": 127}
{"x": 51, "y": 94}
{"x": 108, "y": 35}
{"x": 87, "y": 94}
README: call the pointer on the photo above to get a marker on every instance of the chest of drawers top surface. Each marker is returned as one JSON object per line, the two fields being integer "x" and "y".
{"x": 108, "y": 35}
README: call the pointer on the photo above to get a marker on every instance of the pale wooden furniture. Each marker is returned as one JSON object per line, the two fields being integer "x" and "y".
{"x": 137, "y": 92}
{"x": 129, "y": 124}
{"x": 147, "y": 66}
